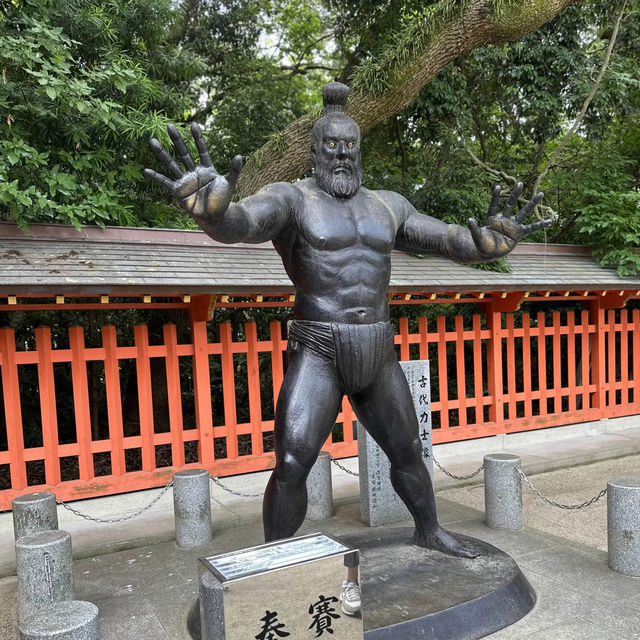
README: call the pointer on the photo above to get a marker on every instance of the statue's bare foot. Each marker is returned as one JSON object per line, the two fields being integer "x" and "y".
{"x": 440, "y": 539}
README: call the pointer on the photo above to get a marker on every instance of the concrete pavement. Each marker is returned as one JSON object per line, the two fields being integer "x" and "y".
{"x": 143, "y": 584}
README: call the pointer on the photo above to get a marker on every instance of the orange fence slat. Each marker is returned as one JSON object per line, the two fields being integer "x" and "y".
{"x": 611, "y": 357}
{"x": 12, "y": 409}
{"x": 442, "y": 373}
{"x": 571, "y": 360}
{"x": 624, "y": 356}
{"x": 174, "y": 390}
{"x": 81, "y": 402}
{"x": 114, "y": 399}
{"x": 229, "y": 390}
{"x": 510, "y": 348}
{"x": 202, "y": 390}
{"x": 424, "y": 341}
{"x": 526, "y": 365}
{"x": 494, "y": 366}
{"x": 403, "y": 333}
{"x": 48, "y": 412}
{"x": 145, "y": 397}
{"x": 542, "y": 363}
{"x": 460, "y": 373}
{"x": 253, "y": 381}
{"x": 557, "y": 363}
{"x": 585, "y": 359}
{"x": 636, "y": 356}
{"x": 477, "y": 369}
{"x": 277, "y": 371}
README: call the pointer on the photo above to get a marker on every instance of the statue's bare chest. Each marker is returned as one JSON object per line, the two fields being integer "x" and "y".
{"x": 331, "y": 224}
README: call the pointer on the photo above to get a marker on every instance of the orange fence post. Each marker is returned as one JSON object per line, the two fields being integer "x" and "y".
{"x": 585, "y": 359}
{"x": 253, "y": 381}
{"x": 598, "y": 361}
{"x": 511, "y": 366}
{"x": 81, "y": 402}
{"x": 114, "y": 399}
{"x": 12, "y": 409}
{"x": 526, "y": 365}
{"x": 442, "y": 373}
{"x": 611, "y": 358}
{"x": 624, "y": 357}
{"x": 636, "y": 356}
{"x": 542, "y": 364}
{"x": 48, "y": 411}
{"x": 403, "y": 332}
{"x": 477, "y": 370}
{"x": 172, "y": 365}
{"x": 277, "y": 370}
{"x": 145, "y": 398}
{"x": 229, "y": 390}
{"x": 202, "y": 378}
{"x": 571, "y": 360}
{"x": 494, "y": 365}
{"x": 460, "y": 373}
{"x": 557, "y": 364}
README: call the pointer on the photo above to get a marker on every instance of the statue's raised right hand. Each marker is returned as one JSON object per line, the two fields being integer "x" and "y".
{"x": 201, "y": 191}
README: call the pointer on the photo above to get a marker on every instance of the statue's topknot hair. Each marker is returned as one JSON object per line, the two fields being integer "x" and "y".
{"x": 334, "y": 97}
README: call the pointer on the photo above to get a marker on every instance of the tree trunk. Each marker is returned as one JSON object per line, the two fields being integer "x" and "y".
{"x": 477, "y": 23}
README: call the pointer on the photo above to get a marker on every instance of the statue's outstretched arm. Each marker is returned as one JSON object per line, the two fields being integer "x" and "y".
{"x": 206, "y": 195}
{"x": 501, "y": 231}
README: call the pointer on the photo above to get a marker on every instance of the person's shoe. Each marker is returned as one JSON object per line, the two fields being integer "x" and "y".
{"x": 350, "y": 598}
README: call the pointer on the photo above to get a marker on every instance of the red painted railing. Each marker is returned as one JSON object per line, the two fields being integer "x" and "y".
{"x": 491, "y": 374}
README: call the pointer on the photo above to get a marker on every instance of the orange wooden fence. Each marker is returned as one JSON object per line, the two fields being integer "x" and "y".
{"x": 491, "y": 374}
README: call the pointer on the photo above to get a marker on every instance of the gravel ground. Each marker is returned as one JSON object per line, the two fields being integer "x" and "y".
{"x": 569, "y": 486}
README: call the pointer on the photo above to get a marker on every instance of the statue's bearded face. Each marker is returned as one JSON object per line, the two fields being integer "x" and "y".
{"x": 336, "y": 157}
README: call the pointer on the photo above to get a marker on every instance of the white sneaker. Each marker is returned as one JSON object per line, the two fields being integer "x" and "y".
{"x": 350, "y": 598}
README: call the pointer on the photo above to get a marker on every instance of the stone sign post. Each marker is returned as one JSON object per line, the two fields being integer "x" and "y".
{"x": 379, "y": 503}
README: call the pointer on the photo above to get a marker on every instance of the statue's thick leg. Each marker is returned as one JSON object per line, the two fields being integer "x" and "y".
{"x": 307, "y": 407}
{"x": 386, "y": 411}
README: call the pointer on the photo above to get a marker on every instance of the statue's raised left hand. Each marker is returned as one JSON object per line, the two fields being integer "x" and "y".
{"x": 503, "y": 230}
{"x": 200, "y": 190}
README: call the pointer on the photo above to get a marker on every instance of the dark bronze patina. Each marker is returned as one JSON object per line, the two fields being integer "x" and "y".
{"x": 335, "y": 238}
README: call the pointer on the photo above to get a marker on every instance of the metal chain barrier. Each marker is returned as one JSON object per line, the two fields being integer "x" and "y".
{"x": 48, "y": 574}
{"x": 455, "y": 477}
{"x": 351, "y": 473}
{"x": 582, "y": 505}
{"x": 235, "y": 493}
{"x": 121, "y": 519}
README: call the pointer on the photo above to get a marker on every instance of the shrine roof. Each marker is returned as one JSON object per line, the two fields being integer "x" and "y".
{"x": 118, "y": 260}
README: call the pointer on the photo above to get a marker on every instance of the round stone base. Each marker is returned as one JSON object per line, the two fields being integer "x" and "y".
{"x": 70, "y": 620}
{"x": 410, "y": 592}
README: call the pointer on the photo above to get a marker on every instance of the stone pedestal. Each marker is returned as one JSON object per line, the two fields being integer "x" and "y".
{"x": 319, "y": 489}
{"x": 34, "y": 512}
{"x": 502, "y": 492}
{"x": 623, "y": 525}
{"x": 71, "y": 620}
{"x": 192, "y": 508}
{"x": 44, "y": 569}
{"x": 379, "y": 503}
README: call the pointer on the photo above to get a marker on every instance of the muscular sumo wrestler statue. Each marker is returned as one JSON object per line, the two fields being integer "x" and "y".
{"x": 335, "y": 238}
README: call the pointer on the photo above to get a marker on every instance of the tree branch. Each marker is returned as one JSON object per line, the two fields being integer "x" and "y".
{"x": 460, "y": 28}
{"x": 551, "y": 162}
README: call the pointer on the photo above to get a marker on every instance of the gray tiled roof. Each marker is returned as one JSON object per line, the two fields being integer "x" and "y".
{"x": 56, "y": 259}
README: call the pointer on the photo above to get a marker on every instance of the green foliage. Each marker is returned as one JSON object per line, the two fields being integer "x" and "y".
{"x": 85, "y": 84}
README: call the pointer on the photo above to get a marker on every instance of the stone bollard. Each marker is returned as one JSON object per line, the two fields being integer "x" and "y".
{"x": 192, "y": 508}
{"x": 623, "y": 525}
{"x": 502, "y": 492}
{"x": 44, "y": 569}
{"x": 70, "y": 620}
{"x": 34, "y": 512}
{"x": 319, "y": 489}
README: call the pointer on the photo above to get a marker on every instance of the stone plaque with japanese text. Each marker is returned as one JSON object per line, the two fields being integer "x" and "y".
{"x": 285, "y": 589}
{"x": 379, "y": 503}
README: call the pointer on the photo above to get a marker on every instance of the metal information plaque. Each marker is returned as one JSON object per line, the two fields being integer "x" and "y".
{"x": 285, "y": 589}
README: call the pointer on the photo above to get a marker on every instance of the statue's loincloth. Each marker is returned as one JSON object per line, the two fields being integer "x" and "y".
{"x": 357, "y": 351}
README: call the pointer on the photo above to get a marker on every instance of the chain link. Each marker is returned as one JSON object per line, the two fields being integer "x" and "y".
{"x": 582, "y": 505}
{"x": 121, "y": 519}
{"x": 48, "y": 574}
{"x": 235, "y": 493}
{"x": 455, "y": 477}
{"x": 351, "y": 473}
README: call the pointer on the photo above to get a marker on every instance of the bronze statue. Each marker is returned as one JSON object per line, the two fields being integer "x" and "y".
{"x": 335, "y": 238}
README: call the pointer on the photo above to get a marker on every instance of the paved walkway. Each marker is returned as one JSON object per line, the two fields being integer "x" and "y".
{"x": 143, "y": 584}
